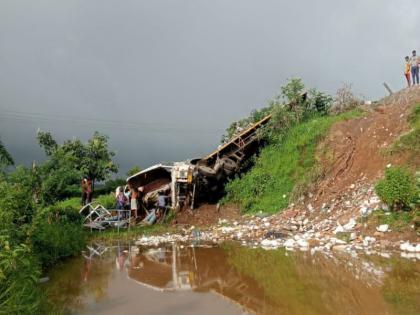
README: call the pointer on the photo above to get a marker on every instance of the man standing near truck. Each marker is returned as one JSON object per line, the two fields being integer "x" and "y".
{"x": 133, "y": 202}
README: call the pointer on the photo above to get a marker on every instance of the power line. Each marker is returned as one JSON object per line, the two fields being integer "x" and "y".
{"x": 144, "y": 127}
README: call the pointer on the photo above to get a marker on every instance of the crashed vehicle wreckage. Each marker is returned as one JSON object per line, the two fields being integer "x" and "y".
{"x": 198, "y": 180}
{"x": 183, "y": 184}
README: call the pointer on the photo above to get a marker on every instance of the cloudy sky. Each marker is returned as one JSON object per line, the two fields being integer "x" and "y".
{"x": 163, "y": 78}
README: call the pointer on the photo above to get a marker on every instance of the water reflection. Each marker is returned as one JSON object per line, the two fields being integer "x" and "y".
{"x": 262, "y": 282}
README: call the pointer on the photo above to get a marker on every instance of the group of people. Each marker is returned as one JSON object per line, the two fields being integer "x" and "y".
{"x": 411, "y": 71}
{"x": 129, "y": 198}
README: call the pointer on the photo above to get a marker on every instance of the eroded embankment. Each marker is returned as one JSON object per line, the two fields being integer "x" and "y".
{"x": 334, "y": 215}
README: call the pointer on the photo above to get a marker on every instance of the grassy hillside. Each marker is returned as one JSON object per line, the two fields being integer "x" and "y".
{"x": 283, "y": 167}
{"x": 411, "y": 140}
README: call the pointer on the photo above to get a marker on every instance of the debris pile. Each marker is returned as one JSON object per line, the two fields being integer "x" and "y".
{"x": 337, "y": 227}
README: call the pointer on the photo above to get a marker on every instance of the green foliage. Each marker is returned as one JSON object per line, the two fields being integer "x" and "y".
{"x": 97, "y": 164}
{"x": 19, "y": 275}
{"x": 16, "y": 207}
{"x": 319, "y": 101}
{"x": 5, "y": 157}
{"x": 410, "y": 141}
{"x": 60, "y": 177}
{"x": 291, "y": 106}
{"x": 291, "y": 159}
{"x": 57, "y": 233}
{"x": 73, "y": 203}
{"x": 134, "y": 170}
{"x": 47, "y": 142}
{"x": 292, "y": 91}
{"x": 72, "y": 160}
{"x": 397, "y": 220}
{"x": 108, "y": 201}
{"x": 398, "y": 189}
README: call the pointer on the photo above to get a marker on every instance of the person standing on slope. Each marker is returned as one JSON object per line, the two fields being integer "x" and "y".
{"x": 414, "y": 62}
{"x": 407, "y": 70}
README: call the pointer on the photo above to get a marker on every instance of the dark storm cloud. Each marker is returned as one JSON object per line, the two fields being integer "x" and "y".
{"x": 183, "y": 69}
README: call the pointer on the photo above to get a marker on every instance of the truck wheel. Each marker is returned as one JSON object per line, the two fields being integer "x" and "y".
{"x": 229, "y": 164}
{"x": 207, "y": 171}
{"x": 218, "y": 165}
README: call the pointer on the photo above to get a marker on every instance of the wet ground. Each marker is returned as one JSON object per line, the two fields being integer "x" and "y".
{"x": 231, "y": 279}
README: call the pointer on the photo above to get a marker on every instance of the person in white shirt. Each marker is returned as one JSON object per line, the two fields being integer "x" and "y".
{"x": 414, "y": 62}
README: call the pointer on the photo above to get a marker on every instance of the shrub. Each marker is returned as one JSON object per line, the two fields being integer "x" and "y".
{"x": 57, "y": 233}
{"x": 345, "y": 100}
{"x": 398, "y": 189}
{"x": 108, "y": 201}
{"x": 74, "y": 203}
{"x": 16, "y": 210}
{"x": 19, "y": 274}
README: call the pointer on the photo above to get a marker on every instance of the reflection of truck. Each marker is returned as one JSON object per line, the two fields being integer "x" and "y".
{"x": 198, "y": 179}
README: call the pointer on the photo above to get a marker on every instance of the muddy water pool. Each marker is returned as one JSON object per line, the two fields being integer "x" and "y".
{"x": 230, "y": 279}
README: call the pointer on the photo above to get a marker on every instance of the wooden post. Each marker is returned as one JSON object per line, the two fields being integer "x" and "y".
{"x": 388, "y": 88}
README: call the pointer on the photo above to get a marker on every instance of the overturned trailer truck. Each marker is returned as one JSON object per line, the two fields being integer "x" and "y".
{"x": 198, "y": 180}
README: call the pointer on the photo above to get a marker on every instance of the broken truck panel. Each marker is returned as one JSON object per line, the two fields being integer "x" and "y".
{"x": 151, "y": 178}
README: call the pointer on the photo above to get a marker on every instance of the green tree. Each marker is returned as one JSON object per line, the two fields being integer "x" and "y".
{"x": 97, "y": 162}
{"x": 291, "y": 92}
{"x": 60, "y": 177}
{"x": 17, "y": 205}
{"x": 75, "y": 159}
{"x": 134, "y": 170}
{"x": 5, "y": 157}
{"x": 47, "y": 142}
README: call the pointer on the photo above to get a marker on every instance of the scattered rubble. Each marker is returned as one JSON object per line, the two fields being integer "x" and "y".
{"x": 303, "y": 231}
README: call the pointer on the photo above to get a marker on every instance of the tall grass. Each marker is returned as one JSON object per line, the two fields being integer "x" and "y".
{"x": 282, "y": 165}
{"x": 410, "y": 142}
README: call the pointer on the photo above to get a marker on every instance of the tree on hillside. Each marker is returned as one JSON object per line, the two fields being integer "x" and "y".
{"x": 47, "y": 142}
{"x": 5, "y": 157}
{"x": 75, "y": 158}
{"x": 291, "y": 92}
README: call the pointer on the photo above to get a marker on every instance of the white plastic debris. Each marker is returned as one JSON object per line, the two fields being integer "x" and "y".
{"x": 382, "y": 228}
{"x": 302, "y": 243}
{"x": 338, "y": 229}
{"x": 289, "y": 243}
{"x": 350, "y": 225}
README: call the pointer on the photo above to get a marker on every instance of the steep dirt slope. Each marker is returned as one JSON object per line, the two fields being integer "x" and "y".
{"x": 354, "y": 149}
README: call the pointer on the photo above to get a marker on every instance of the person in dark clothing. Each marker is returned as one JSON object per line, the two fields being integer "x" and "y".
{"x": 414, "y": 62}
{"x": 161, "y": 204}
